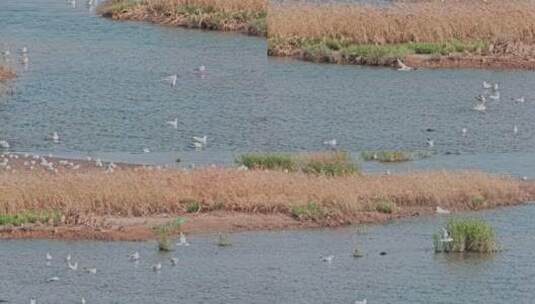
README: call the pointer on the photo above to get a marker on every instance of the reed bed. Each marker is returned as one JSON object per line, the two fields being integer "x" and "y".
{"x": 225, "y": 15}
{"x": 404, "y": 28}
{"x": 468, "y": 235}
{"x": 138, "y": 192}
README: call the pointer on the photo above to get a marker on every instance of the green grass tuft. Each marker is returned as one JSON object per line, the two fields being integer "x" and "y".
{"x": 310, "y": 211}
{"x": 469, "y": 235}
{"x": 30, "y": 217}
{"x": 268, "y": 161}
{"x": 385, "y": 206}
{"x": 165, "y": 231}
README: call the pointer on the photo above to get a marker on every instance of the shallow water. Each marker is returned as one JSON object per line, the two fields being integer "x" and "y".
{"x": 284, "y": 267}
{"x": 97, "y": 83}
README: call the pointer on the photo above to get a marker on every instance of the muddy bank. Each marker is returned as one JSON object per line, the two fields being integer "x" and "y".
{"x": 248, "y": 17}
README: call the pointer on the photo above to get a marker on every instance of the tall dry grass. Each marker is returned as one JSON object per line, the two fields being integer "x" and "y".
{"x": 407, "y": 21}
{"x": 130, "y": 192}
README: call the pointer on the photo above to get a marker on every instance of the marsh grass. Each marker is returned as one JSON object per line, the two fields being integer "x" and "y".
{"x": 325, "y": 163}
{"x": 385, "y": 206}
{"x": 165, "y": 232}
{"x": 30, "y": 217}
{"x": 226, "y": 15}
{"x": 223, "y": 240}
{"x": 386, "y": 156}
{"x": 138, "y": 192}
{"x": 469, "y": 235}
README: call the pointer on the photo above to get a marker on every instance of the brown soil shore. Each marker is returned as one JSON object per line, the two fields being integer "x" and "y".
{"x": 6, "y": 74}
{"x": 127, "y": 204}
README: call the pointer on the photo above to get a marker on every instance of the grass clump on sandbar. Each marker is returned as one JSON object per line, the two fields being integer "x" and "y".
{"x": 224, "y": 15}
{"x": 466, "y": 235}
{"x": 379, "y": 35}
{"x": 164, "y": 233}
{"x": 324, "y": 163}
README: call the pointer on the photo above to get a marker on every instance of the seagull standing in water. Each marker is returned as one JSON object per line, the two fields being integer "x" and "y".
{"x": 446, "y": 238}
{"x": 73, "y": 267}
{"x": 464, "y": 130}
{"x": 487, "y": 85}
{"x": 171, "y": 79}
{"x": 157, "y": 267}
{"x": 33, "y": 301}
{"x": 329, "y": 259}
{"x": 174, "y": 261}
{"x": 515, "y": 129}
{"x": 173, "y": 123}
{"x": 430, "y": 143}
{"x": 520, "y": 99}
{"x": 495, "y": 96}
{"x": 4, "y": 144}
{"x": 402, "y": 66}
{"x": 134, "y": 256}
{"x": 203, "y": 140}
{"x": 365, "y": 301}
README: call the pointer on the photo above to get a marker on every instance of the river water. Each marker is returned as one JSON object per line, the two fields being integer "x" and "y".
{"x": 284, "y": 267}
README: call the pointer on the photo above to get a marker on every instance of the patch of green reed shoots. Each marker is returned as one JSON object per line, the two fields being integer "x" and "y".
{"x": 165, "y": 231}
{"x": 385, "y": 206}
{"x": 328, "y": 164}
{"x": 30, "y": 217}
{"x": 223, "y": 240}
{"x": 192, "y": 206}
{"x": 308, "y": 212}
{"x": 111, "y": 7}
{"x": 323, "y": 50}
{"x": 469, "y": 235}
{"x": 393, "y": 156}
{"x": 268, "y": 161}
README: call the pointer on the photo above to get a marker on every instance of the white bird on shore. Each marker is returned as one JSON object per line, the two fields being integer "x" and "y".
{"x": 4, "y": 144}
{"x": 90, "y": 270}
{"x": 173, "y": 123}
{"x": 157, "y": 267}
{"x": 328, "y": 258}
{"x": 174, "y": 261}
{"x": 171, "y": 79}
{"x": 446, "y": 238}
{"x": 430, "y": 142}
{"x": 442, "y": 211}
{"x": 52, "y": 279}
{"x": 182, "y": 241}
{"x": 487, "y": 85}
{"x": 73, "y": 267}
{"x": 203, "y": 140}
{"x": 365, "y": 301}
{"x": 134, "y": 256}
{"x": 402, "y": 66}
{"x": 331, "y": 143}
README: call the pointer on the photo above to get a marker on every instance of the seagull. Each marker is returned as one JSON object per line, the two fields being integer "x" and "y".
{"x": 402, "y": 66}
{"x": 171, "y": 79}
{"x": 365, "y": 301}
{"x": 201, "y": 69}
{"x": 520, "y": 99}
{"x": 481, "y": 98}
{"x": 4, "y": 144}
{"x": 174, "y": 261}
{"x": 68, "y": 258}
{"x": 7, "y": 53}
{"x": 33, "y": 301}
{"x": 464, "y": 130}
{"x": 331, "y": 143}
{"x": 82, "y": 301}
{"x": 73, "y": 267}
{"x": 430, "y": 143}
{"x": 52, "y": 279}
{"x": 442, "y": 211}
{"x": 328, "y": 258}
{"x": 203, "y": 140}
{"x": 182, "y": 240}
{"x": 157, "y": 267}
{"x": 48, "y": 256}
{"x": 134, "y": 256}
{"x": 480, "y": 107}
{"x": 446, "y": 238}
{"x": 487, "y": 85}
{"x": 495, "y": 96}
{"x": 515, "y": 129}
{"x": 173, "y": 123}
{"x": 90, "y": 270}
{"x": 146, "y": 150}
{"x": 25, "y": 59}
{"x": 98, "y": 162}
{"x": 24, "y": 50}
{"x": 495, "y": 87}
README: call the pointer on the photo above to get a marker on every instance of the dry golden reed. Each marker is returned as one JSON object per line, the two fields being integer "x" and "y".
{"x": 407, "y": 21}
{"x": 130, "y": 192}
